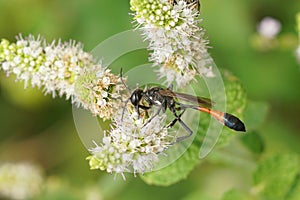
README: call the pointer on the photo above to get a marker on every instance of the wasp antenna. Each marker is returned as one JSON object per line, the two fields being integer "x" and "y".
{"x": 126, "y": 102}
{"x": 121, "y": 76}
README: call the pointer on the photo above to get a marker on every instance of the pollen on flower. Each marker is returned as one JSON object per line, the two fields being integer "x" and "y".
{"x": 176, "y": 41}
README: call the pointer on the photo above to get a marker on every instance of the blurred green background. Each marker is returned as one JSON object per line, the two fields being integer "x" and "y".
{"x": 39, "y": 129}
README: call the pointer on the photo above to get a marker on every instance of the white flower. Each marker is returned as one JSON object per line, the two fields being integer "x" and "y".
{"x": 100, "y": 92}
{"x": 20, "y": 181}
{"x": 131, "y": 146}
{"x": 63, "y": 69}
{"x": 51, "y": 66}
{"x": 176, "y": 42}
{"x": 269, "y": 27}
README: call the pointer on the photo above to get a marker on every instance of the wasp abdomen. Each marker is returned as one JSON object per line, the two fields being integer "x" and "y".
{"x": 233, "y": 122}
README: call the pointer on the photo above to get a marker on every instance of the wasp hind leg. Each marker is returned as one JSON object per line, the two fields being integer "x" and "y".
{"x": 178, "y": 118}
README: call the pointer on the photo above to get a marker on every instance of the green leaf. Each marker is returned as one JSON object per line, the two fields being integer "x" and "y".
{"x": 254, "y": 142}
{"x": 255, "y": 113}
{"x": 199, "y": 195}
{"x": 275, "y": 176}
{"x": 236, "y": 99}
{"x": 176, "y": 171}
{"x": 235, "y": 194}
{"x": 180, "y": 169}
{"x": 294, "y": 193}
{"x": 235, "y": 94}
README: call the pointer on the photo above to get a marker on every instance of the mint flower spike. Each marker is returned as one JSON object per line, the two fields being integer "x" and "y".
{"x": 130, "y": 146}
{"x": 20, "y": 180}
{"x": 62, "y": 68}
{"x": 53, "y": 66}
{"x": 176, "y": 42}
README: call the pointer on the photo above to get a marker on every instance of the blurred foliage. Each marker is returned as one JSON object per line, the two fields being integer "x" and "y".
{"x": 40, "y": 129}
{"x": 275, "y": 176}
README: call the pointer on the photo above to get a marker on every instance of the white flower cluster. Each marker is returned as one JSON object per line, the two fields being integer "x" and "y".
{"x": 269, "y": 27}
{"x": 63, "y": 69}
{"x": 176, "y": 41}
{"x": 130, "y": 145}
{"x": 20, "y": 181}
{"x": 54, "y": 66}
{"x": 100, "y": 92}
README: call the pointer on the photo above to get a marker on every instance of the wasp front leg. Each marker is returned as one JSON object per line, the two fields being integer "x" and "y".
{"x": 162, "y": 107}
{"x": 145, "y": 108}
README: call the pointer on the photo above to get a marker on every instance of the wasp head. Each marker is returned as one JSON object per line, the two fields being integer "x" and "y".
{"x": 136, "y": 96}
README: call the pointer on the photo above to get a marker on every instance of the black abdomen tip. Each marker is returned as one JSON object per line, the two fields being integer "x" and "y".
{"x": 234, "y": 123}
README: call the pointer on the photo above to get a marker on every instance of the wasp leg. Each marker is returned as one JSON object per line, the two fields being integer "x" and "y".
{"x": 144, "y": 107}
{"x": 162, "y": 107}
{"x": 172, "y": 123}
{"x": 190, "y": 132}
{"x": 178, "y": 118}
{"x": 138, "y": 107}
{"x": 155, "y": 114}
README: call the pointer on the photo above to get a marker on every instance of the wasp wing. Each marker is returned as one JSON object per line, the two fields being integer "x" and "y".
{"x": 199, "y": 101}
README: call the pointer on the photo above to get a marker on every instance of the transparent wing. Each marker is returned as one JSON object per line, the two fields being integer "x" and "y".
{"x": 199, "y": 101}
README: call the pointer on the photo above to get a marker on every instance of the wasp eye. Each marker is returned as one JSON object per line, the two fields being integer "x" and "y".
{"x": 136, "y": 97}
{"x": 133, "y": 99}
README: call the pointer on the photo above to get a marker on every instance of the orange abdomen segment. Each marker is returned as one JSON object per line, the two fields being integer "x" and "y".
{"x": 226, "y": 119}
